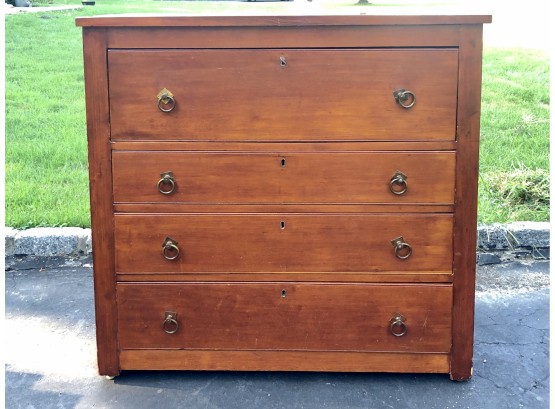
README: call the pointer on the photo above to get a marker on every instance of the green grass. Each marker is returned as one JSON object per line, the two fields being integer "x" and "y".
{"x": 514, "y": 133}
{"x": 46, "y": 153}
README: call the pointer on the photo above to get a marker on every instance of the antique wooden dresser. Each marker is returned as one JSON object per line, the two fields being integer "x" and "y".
{"x": 290, "y": 193}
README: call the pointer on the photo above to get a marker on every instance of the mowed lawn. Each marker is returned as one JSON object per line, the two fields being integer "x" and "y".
{"x": 46, "y": 152}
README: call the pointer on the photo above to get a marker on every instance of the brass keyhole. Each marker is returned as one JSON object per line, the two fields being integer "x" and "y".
{"x": 283, "y": 293}
{"x": 282, "y": 162}
{"x": 282, "y": 61}
{"x": 282, "y": 225}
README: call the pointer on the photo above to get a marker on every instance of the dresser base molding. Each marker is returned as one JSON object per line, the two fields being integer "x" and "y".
{"x": 283, "y": 361}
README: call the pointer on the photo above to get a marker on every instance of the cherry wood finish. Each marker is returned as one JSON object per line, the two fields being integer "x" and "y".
{"x": 285, "y": 316}
{"x": 253, "y": 20}
{"x": 330, "y": 113}
{"x": 282, "y": 208}
{"x": 284, "y": 177}
{"x": 214, "y": 91}
{"x": 282, "y": 37}
{"x": 303, "y": 243}
{"x": 420, "y": 276}
{"x": 98, "y": 131}
{"x": 291, "y": 147}
{"x": 153, "y": 359}
{"x": 466, "y": 197}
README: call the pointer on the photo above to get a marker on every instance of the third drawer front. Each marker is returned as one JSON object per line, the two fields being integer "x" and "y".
{"x": 369, "y": 177}
{"x": 285, "y": 316}
{"x": 181, "y": 243}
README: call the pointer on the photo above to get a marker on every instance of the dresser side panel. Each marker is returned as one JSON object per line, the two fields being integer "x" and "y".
{"x": 466, "y": 200}
{"x": 100, "y": 179}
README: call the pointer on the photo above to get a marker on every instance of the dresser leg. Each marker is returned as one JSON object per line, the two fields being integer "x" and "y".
{"x": 461, "y": 376}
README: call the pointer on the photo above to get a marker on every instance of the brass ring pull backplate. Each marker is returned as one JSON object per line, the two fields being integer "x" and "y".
{"x": 170, "y": 251}
{"x": 170, "y": 324}
{"x": 166, "y": 101}
{"x": 397, "y": 325}
{"x": 166, "y": 184}
{"x": 403, "y": 250}
{"x": 398, "y": 183}
{"x": 404, "y": 98}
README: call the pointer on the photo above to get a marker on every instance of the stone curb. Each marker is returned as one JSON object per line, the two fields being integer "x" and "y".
{"x": 48, "y": 241}
{"x": 496, "y": 242}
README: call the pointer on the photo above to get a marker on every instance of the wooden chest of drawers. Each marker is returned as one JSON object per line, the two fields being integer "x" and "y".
{"x": 284, "y": 192}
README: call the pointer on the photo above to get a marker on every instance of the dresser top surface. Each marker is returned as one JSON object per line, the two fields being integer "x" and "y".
{"x": 381, "y": 17}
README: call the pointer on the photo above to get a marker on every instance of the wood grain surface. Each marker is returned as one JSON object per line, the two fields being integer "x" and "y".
{"x": 249, "y": 95}
{"x": 283, "y": 208}
{"x": 466, "y": 212}
{"x": 285, "y": 316}
{"x": 281, "y": 20}
{"x": 315, "y": 36}
{"x": 249, "y": 178}
{"x": 172, "y": 359}
{"x": 420, "y": 276}
{"x": 99, "y": 155}
{"x": 283, "y": 141}
{"x": 306, "y": 243}
{"x": 291, "y": 147}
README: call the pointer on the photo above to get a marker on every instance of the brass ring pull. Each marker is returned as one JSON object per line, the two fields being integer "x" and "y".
{"x": 404, "y": 98}
{"x": 170, "y": 324}
{"x": 403, "y": 250}
{"x": 166, "y": 101}
{"x": 170, "y": 251}
{"x": 397, "y": 325}
{"x": 398, "y": 183}
{"x": 166, "y": 179}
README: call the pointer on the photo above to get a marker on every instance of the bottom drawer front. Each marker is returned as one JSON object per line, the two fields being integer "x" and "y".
{"x": 285, "y": 316}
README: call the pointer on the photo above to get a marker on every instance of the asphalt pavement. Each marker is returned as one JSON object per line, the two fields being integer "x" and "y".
{"x": 51, "y": 354}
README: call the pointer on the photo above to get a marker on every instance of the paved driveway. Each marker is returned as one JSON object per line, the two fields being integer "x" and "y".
{"x": 51, "y": 355}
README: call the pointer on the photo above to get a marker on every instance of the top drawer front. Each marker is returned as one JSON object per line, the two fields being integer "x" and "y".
{"x": 282, "y": 94}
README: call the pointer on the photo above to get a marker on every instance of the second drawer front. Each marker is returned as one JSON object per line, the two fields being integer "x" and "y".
{"x": 282, "y": 243}
{"x": 285, "y": 316}
{"x": 284, "y": 178}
